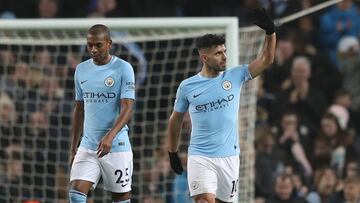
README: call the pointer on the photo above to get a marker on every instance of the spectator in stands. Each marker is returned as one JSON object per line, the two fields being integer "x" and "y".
{"x": 8, "y": 60}
{"x": 298, "y": 94}
{"x": 350, "y": 192}
{"x": 341, "y": 20}
{"x": 349, "y": 62}
{"x": 265, "y": 102}
{"x": 340, "y": 141}
{"x": 291, "y": 142}
{"x": 7, "y": 107}
{"x": 280, "y": 70}
{"x": 325, "y": 182}
{"x": 52, "y": 99}
{"x": 166, "y": 8}
{"x": 15, "y": 185}
{"x": 302, "y": 190}
{"x": 19, "y": 8}
{"x": 8, "y": 121}
{"x": 344, "y": 99}
{"x": 352, "y": 169}
{"x": 325, "y": 76}
{"x": 265, "y": 158}
{"x": 305, "y": 37}
{"x": 104, "y": 8}
{"x": 48, "y": 9}
{"x": 39, "y": 136}
{"x": 151, "y": 187}
{"x": 281, "y": 8}
{"x": 321, "y": 154}
{"x": 43, "y": 61}
{"x": 284, "y": 191}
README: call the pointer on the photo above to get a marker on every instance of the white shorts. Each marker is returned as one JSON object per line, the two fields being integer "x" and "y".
{"x": 218, "y": 176}
{"x": 115, "y": 168}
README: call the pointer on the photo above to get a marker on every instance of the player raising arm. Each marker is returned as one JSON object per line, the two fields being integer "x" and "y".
{"x": 105, "y": 93}
{"x": 212, "y": 98}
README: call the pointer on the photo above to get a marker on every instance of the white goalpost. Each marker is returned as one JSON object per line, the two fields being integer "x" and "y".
{"x": 41, "y": 55}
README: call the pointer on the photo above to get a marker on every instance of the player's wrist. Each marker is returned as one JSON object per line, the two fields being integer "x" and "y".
{"x": 271, "y": 30}
{"x": 172, "y": 153}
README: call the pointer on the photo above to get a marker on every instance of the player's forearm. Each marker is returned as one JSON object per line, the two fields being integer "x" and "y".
{"x": 267, "y": 55}
{"x": 124, "y": 117}
{"x": 173, "y": 133}
{"x": 77, "y": 128}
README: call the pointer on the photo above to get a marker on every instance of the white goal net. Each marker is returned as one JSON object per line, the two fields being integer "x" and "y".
{"x": 37, "y": 62}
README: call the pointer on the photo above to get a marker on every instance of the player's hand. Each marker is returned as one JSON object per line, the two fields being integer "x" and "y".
{"x": 263, "y": 20}
{"x": 175, "y": 163}
{"x": 105, "y": 145}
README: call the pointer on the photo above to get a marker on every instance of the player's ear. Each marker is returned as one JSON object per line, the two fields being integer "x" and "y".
{"x": 203, "y": 57}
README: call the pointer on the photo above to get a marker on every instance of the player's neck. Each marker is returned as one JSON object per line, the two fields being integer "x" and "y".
{"x": 208, "y": 73}
{"x": 106, "y": 60}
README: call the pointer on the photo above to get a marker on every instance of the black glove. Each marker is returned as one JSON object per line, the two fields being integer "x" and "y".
{"x": 175, "y": 163}
{"x": 262, "y": 19}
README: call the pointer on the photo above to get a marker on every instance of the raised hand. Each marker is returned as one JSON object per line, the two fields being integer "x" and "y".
{"x": 263, "y": 20}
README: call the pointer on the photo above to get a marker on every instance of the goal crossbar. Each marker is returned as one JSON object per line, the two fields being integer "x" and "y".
{"x": 228, "y": 24}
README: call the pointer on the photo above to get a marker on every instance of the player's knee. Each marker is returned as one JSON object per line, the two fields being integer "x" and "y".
{"x": 123, "y": 201}
{"x": 77, "y": 197}
{"x": 121, "y": 197}
{"x": 201, "y": 200}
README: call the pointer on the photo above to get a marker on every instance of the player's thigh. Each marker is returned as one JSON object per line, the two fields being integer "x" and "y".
{"x": 228, "y": 178}
{"x": 201, "y": 175}
{"x": 117, "y": 170}
{"x": 85, "y": 169}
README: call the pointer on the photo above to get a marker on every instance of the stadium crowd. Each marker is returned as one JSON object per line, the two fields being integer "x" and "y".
{"x": 308, "y": 104}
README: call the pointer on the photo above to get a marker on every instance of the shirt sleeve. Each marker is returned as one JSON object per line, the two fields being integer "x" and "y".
{"x": 127, "y": 90}
{"x": 240, "y": 73}
{"x": 181, "y": 103}
{"x": 246, "y": 72}
{"x": 78, "y": 90}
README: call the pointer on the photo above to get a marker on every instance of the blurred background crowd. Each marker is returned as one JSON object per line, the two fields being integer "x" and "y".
{"x": 308, "y": 103}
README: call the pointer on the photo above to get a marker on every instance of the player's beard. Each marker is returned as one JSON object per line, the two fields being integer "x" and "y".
{"x": 100, "y": 58}
{"x": 218, "y": 67}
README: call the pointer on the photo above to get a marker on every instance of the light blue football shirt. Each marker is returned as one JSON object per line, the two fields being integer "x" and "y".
{"x": 101, "y": 87}
{"x": 213, "y": 105}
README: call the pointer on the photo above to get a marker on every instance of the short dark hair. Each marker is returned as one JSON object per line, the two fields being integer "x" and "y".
{"x": 209, "y": 40}
{"x": 99, "y": 29}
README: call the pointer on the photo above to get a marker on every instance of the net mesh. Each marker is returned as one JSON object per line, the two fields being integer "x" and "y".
{"x": 36, "y": 100}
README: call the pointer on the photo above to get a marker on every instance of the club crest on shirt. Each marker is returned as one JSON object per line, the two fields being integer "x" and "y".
{"x": 226, "y": 85}
{"x": 109, "y": 82}
{"x": 194, "y": 185}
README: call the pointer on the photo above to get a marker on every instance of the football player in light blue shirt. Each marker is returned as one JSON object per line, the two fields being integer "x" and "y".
{"x": 105, "y": 93}
{"x": 212, "y": 99}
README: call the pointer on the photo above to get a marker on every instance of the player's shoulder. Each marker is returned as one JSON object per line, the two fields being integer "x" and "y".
{"x": 121, "y": 62}
{"x": 242, "y": 67}
{"x": 236, "y": 71}
{"x": 83, "y": 65}
{"x": 189, "y": 81}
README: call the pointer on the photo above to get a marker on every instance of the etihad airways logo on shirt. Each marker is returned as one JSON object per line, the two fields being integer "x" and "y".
{"x": 98, "y": 97}
{"x": 215, "y": 105}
